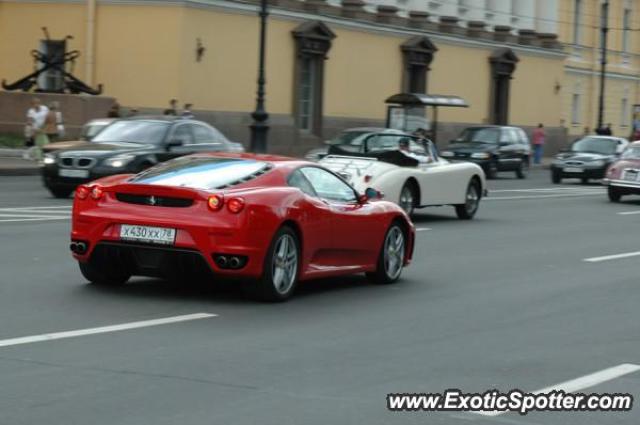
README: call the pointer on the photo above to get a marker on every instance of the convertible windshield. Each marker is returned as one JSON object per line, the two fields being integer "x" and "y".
{"x": 479, "y": 135}
{"x": 147, "y": 132}
{"x": 205, "y": 173}
{"x": 632, "y": 153}
{"x": 353, "y": 138}
{"x": 599, "y": 145}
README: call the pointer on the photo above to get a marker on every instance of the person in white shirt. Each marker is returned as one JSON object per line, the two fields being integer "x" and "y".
{"x": 37, "y": 115}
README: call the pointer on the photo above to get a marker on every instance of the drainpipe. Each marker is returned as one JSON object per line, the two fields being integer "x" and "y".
{"x": 91, "y": 32}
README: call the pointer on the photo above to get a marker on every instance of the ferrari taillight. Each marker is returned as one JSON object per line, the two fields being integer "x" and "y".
{"x": 96, "y": 192}
{"x": 215, "y": 202}
{"x": 235, "y": 205}
{"x": 82, "y": 192}
{"x": 367, "y": 178}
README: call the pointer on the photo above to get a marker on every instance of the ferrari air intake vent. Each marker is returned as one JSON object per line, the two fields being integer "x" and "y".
{"x": 156, "y": 201}
{"x": 247, "y": 178}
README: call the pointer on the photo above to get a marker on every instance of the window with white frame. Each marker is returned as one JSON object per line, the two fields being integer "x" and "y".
{"x": 624, "y": 112}
{"x": 575, "y": 109}
{"x": 577, "y": 21}
{"x": 626, "y": 29}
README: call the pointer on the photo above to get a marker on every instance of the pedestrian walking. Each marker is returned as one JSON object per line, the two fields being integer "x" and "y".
{"x": 538, "y": 143}
{"x": 114, "y": 111}
{"x": 173, "y": 108}
{"x": 51, "y": 123}
{"x": 186, "y": 113}
{"x": 37, "y": 115}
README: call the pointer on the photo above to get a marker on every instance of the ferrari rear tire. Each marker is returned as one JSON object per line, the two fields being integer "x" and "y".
{"x": 614, "y": 194}
{"x": 280, "y": 270}
{"x": 467, "y": 210}
{"x": 408, "y": 197}
{"x": 391, "y": 258}
{"x": 103, "y": 277}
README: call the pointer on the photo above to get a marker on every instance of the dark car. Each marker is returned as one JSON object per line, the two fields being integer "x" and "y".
{"x": 130, "y": 146}
{"x": 494, "y": 148}
{"x": 588, "y": 158}
{"x": 353, "y": 137}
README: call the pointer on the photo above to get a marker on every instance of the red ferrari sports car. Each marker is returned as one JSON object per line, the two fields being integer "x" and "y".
{"x": 272, "y": 221}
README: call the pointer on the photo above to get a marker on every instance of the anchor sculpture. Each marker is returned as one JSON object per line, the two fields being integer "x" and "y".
{"x": 55, "y": 62}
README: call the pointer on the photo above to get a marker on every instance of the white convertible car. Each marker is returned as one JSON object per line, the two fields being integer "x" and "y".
{"x": 408, "y": 171}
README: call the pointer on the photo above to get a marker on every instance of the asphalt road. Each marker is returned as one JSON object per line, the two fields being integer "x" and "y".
{"x": 504, "y": 301}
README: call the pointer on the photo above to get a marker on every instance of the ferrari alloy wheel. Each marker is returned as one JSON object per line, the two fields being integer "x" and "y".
{"x": 104, "y": 277}
{"x": 280, "y": 272}
{"x": 391, "y": 259}
{"x": 467, "y": 210}
{"x": 614, "y": 194}
{"x": 407, "y": 199}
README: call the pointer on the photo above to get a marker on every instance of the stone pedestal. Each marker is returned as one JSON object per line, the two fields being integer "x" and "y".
{"x": 502, "y": 33}
{"x": 388, "y": 15}
{"x": 449, "y": 24}
{"x": 419, "y": 19}
{"x": 354, "y": 9}
{"x": 477, "y": 29}
{"x": 527, "y": 37}
{"x": 548, "y": 40}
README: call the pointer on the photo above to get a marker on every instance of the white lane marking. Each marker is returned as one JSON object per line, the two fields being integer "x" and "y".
{"x": 564, "y": 195}
{"x": 612, "y": 257}
{"x": 422, "y": 229}
{"x": 37, "y": 215}
{"x": 552, "y": 189}
{"x": 580, "y": 383}
{"x": 104, "y": 329}
{"x": 36, "y": 208}
{"x": 629, "y": 212}
{"x": 32, "y": 219}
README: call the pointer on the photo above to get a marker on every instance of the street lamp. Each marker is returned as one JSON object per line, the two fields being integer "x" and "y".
{"x": 604, "y": 28}
{"x": 259, "y": 128}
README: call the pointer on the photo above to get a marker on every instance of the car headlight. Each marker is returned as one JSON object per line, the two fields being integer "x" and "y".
{"x": 446, "y": 154}
{"x": 119, "y": 160}
{"x": 49, "y": 159}
{"x": 597, "y": 163}
{"x": 481, "y": 155}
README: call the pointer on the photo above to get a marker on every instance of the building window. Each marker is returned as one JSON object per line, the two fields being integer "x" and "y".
{"x": 503, "y": 64}
{"x": 417, "y": 53}
{"x": 624, "y": 112}
{"x": 306, "y": 92}
{"x": 577, "y": 21}
{"x": 313, "y": 41}
{"x": 575, "y": 109}
{"x": 626, "y": 29}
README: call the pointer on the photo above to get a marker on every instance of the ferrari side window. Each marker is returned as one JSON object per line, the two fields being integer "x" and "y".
{"x": 328, "y": 186}
{"x": 297, "y": 179}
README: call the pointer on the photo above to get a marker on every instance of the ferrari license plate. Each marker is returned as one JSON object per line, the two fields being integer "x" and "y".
{"x": 70, "y": 172}
{"x": 159, "y": 235}
{"x": 572, "y": 170}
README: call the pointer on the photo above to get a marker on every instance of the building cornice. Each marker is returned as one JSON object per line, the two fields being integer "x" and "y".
{"x": 591, "y": 73}
{"x": 242, "y": 7}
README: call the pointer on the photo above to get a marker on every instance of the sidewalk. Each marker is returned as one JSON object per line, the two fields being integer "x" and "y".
{"x": 12, "y": 164}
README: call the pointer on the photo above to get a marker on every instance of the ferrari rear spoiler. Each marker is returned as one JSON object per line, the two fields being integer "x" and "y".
{"x": 156, "y": 190}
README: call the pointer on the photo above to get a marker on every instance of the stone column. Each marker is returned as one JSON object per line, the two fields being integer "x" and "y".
{"x": 524, "y": 12}
{"x": 501, "y": 10}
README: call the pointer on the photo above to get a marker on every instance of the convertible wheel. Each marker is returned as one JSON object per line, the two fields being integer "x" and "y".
{"x": 523, "y": 169}
{"x": 467, "y": 210}
{"x": 614, "y": 194}
{"x": 407, "y": 199}
{"x": 391, "y": 258}
{"x": 280, "y": 271}
{"x": 103, "y": 277}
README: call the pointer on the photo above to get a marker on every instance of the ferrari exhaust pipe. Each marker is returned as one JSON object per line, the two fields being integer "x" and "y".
{"x": 234, "y": 262}
{"x": 222, "y": 261}
{"x": 81, "y": 248}
{"x": 73, "y": 246}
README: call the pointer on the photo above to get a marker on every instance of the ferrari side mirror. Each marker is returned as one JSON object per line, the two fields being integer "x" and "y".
{"x": 371, "y": 193}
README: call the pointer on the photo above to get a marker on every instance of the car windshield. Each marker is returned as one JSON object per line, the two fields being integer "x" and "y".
{"x": 479, "y": 135}
{"x": 599, "y": 145}
{"x": 632, "y": 153}
{"x": 205, "y": 173}
{"x": 147, "y": 132}
{"x": 349, "y": 138}
{"x": 91, "y": 130}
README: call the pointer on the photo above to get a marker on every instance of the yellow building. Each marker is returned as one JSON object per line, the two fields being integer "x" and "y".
{"x": 331, "y": 66}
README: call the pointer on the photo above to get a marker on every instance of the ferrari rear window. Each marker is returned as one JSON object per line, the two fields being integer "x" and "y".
{"x": 199, "y": 172}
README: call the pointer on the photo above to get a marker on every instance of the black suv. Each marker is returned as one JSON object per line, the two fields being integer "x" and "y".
{"x": 130, "y": 146}
{"x": 494, "y": 148}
